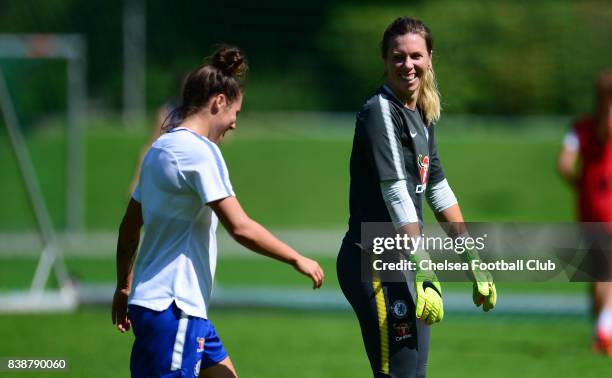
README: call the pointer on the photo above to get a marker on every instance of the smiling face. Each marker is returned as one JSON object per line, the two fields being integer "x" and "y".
{"x": 406, "y": 62}
{"x": 225, "y": 117}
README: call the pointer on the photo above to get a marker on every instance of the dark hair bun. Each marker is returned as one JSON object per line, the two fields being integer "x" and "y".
{"x": 230, "y": 60}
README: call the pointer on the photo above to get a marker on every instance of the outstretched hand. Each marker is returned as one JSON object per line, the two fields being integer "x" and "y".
{"x": 119, "y": 310}
{"x": 310, "y": 268}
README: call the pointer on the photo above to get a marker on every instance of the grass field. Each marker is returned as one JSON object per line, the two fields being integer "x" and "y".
{"x": 267, "y": 344}
{"x": 16, "y": 273}
{"x": 291, "y": 179}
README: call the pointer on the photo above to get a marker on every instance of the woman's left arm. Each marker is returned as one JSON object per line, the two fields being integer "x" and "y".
{"x": 443, "y": 202}
{"x": 451, "y": 220}
{"x": 445, "y": 206}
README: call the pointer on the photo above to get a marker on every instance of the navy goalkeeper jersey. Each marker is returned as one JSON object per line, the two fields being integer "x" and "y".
{"x": 391, "y": 142}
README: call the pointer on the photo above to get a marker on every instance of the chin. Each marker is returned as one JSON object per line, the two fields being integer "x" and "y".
{"x": 406, "y": 88}
{"x": 408, "y": 91}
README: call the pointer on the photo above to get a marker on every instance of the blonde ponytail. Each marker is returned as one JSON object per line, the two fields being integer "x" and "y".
{"x": 429, "y": 98}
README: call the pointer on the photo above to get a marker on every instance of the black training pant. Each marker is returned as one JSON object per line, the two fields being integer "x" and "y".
{"x": 396, "y": 342}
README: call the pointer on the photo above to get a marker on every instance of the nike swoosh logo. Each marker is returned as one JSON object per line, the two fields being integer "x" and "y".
{"x": 412, "y": 135}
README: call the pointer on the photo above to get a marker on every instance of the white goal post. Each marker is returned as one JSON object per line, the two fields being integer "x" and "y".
{"x": 72, "y": 49}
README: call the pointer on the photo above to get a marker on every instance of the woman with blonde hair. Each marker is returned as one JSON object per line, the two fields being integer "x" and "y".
{"x": 394, "y": 165}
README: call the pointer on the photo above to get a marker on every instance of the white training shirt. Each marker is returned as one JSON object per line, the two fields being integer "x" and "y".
{"x": 180, "y": 175}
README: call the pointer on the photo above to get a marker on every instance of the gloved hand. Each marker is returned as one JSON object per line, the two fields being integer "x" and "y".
{"x": 483, "y": 290}
{"x": 429, "y": 306}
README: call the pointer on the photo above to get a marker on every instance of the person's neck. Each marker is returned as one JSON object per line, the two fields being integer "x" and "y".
{"x": 409, "y": 100}
{"x": 198, "y": 124}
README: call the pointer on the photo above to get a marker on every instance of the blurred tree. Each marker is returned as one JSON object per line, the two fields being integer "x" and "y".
{"x": 503, "y": 57}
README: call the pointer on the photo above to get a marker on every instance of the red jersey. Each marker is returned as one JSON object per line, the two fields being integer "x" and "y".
{"x": 595, "y": 182}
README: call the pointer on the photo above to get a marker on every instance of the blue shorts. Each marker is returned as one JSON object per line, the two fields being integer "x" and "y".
{"x": 170, "y": 343}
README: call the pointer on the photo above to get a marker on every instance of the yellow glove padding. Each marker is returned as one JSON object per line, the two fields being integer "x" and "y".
{"x": 429, "y": 306}
{"x": 483, "y": 290}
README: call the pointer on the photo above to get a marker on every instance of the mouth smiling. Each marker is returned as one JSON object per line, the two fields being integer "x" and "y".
{"x": 410, "y": 78}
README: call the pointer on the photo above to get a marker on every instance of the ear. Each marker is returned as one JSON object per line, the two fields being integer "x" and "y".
{"x": 218, "y": 102}
{"x": 222, "y": 99}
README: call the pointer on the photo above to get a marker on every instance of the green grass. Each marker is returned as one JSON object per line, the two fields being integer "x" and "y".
{"x": 235, "y": 271}
{"x": 266, "y": 344}
{"x": 291, "y": 178}
{"x": 511, "y": 347}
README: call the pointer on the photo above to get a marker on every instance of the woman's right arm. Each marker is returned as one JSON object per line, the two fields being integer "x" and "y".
{"x": 127, "y": 245}
{"x": 255, "y": 237}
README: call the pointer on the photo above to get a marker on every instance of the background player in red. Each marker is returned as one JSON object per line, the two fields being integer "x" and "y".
{"x": 585, "y": 162}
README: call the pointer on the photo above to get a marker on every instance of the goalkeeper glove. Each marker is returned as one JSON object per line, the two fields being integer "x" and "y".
{"x": 429, "y": 306}
{"x": 483, "y": 289}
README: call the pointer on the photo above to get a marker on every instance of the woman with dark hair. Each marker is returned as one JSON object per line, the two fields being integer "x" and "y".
{"x": 394, "y": 164}
{"x": 183, "y": 187}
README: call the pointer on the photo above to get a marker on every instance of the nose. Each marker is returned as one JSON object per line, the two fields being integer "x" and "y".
{"x": 409, "y": 63}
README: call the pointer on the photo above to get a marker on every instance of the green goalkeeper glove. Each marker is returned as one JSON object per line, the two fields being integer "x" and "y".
{"x": 483, "y": 289}
{"x": 429, "y": 306}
